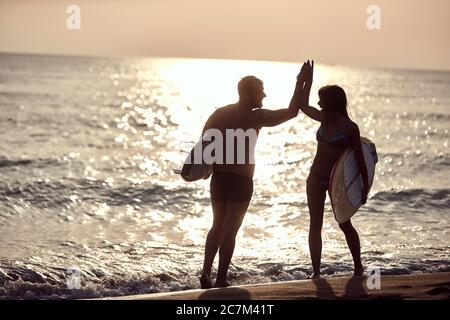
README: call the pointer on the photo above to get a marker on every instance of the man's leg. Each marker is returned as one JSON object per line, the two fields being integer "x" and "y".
{"x": 213, "y": 241}
{"x": 235, "y": 212}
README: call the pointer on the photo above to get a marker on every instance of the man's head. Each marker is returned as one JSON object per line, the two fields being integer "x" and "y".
{"x": 251, "y": 91}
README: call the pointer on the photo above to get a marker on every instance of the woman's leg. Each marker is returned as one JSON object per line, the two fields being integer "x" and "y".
{"x": 316, "y": 194}
{"x": 213, "y": 241}
{"x": 354, "y": 245}
{"x": 235, "y": 212}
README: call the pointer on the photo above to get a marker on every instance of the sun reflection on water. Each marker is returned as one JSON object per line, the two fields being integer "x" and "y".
{"x": 95, "y": 186}
{"x": 163, "y": 113}
{"x": 174, "y": 97}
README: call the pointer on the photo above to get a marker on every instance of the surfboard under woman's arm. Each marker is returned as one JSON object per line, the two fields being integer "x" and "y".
{"x": 311, "y": 112}
{"x": 355, "y": 141}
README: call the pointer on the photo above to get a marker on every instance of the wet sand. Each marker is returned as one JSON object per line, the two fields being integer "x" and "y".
{"x": 428, "y": 286}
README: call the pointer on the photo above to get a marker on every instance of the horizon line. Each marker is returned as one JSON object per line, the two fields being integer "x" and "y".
{"x": 101, "y": 56}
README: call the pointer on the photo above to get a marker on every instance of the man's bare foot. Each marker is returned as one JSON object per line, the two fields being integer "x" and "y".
{"x": 221, "y": 284}
{"x": 205, "y": 281}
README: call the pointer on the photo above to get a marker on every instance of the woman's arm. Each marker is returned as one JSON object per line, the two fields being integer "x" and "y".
{"x": 355, "y": 141}
{"x": 311, "y": 112}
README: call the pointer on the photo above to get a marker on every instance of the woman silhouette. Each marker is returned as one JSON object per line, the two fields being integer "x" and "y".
{"x": 336, "y": 133}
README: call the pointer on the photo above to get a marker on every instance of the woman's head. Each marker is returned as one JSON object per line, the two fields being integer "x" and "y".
{"x": 333, "y": 100}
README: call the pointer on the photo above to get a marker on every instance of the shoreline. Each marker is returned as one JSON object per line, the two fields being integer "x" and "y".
{"x": 424, "y": 286}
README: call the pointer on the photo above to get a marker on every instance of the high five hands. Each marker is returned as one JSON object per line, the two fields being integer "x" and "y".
{"x": 305, "y": 75}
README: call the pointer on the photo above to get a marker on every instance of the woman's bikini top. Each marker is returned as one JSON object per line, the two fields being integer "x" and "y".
{"x": 339, "y": 140}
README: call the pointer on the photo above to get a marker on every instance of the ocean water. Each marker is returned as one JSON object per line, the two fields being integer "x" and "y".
{"x": 90, "y": 207}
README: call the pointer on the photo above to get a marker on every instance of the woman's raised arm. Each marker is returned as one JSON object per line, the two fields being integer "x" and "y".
{"x": 311, "y": 112}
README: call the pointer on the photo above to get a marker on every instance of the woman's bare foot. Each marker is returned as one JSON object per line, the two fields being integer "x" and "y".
{"x": 205, "y": 281}
{"x": 221, "y": 284}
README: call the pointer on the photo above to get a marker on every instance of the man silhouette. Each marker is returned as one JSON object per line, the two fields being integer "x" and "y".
{"x": 231, "y": 184}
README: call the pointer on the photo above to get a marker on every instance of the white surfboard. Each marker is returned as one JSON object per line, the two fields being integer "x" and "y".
{"x": 193, "y": 169}
{"x": 346, "y": 183}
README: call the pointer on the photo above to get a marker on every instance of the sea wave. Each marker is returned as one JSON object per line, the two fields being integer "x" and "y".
{"x": 444, "y": 117}
{"x": 38, "y": 282}
{"x": 56, "y": 193}
{"x": 416, "y": 198}
{"x": 37, "y": 163}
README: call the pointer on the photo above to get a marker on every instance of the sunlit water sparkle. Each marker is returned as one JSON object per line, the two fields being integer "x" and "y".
{"x": 89, "y": 145}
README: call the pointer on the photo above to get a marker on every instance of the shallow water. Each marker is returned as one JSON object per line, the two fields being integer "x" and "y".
{"x": 89, "y": 145}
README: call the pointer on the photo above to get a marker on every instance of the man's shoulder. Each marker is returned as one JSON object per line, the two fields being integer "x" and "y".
{"x": 223, "y": 109}
{"x": 225, "y": 112}
{"x": 228, "y": 107}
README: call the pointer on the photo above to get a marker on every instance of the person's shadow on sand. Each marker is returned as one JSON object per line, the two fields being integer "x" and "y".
{"x": 225, "y": 294}
{"x": 324, "y": 290}
{"x": 354, "y": 289}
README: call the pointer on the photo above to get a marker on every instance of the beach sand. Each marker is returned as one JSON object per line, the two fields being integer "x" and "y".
{"x": 429, "y": 286}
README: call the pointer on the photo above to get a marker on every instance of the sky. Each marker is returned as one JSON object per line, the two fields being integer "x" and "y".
{"x": 414, "y": 33}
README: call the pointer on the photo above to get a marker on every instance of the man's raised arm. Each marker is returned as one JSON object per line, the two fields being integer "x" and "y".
{"x": 270, "y": 118}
